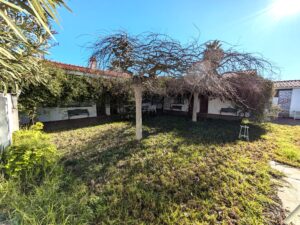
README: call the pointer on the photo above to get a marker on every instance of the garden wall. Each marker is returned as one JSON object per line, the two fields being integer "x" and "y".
{"x": 63, "y": 113}
{"x": 215, "y": 105}
{"x": 9, "y": 119}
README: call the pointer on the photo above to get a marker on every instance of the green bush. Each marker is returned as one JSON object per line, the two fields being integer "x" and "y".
{"x": 31, "y": 156}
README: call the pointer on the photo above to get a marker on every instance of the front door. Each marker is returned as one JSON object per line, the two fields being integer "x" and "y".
{"x": 203, "y": 104}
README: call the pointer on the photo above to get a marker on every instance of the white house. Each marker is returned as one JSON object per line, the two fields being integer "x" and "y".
{"x": 208, "y": 107}
{"x": 287, "y": 96}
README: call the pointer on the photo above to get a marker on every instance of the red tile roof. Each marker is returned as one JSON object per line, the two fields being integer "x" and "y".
{"x": 237, "y": 73}
{"x": 287, "y": 84}
{"x": 87, "y": 70}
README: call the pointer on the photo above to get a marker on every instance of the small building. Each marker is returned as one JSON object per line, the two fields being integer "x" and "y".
{"x": 287, "y": 97}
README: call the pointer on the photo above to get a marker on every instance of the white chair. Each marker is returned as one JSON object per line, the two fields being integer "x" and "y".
{"x": 244, "y": 132}
{"x": 152, "y": 108}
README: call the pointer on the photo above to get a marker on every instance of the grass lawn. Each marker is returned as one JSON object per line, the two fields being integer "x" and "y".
{"x": 180, "y": 173}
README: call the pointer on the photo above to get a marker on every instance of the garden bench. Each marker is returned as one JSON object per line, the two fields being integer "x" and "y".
{"x": 78, "y": 112}
{"x": 176, "y": 107}
{"x": 228, "y": 110}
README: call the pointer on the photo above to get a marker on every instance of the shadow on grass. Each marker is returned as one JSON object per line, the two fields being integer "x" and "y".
{"x": 99, "y": 152}
{"x": 205, "y": 131}
{"x": 153, "y": 182}
{"x": 65, "y": 125}
{"x": 105, "y": 149}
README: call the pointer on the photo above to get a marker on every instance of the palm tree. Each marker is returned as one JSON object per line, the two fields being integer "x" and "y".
{"x": 24, "y": 29}
{"x": 40, "y": 10}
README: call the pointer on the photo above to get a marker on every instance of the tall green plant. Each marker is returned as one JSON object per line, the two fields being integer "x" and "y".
{"x": 31, "y": 156}
{"x": 24, "y": 34}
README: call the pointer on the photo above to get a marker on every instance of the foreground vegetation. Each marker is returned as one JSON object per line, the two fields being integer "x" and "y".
{"x": 181, "y": 173}
{"x": 287, "y": 141}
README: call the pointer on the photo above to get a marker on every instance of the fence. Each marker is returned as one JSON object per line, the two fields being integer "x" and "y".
{"x": 9, "y": 121}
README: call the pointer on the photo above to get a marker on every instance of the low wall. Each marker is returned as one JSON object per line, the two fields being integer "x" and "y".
{"x": 215, "y": 105}
{"x": 9, "y": 119}
{"x": 58, "y": 114}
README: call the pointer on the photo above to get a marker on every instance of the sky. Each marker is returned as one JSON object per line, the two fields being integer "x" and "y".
{"x": 267, "y": 27}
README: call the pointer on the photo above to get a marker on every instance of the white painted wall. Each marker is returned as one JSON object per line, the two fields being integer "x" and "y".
{"x": 275, "y": 101}
{"x": 9, "y": 119}
{"x": 57, "y": 113}
{"x": 168, "y": 102}
{"x": 107, "y": 109}
{"x": 215, "y": 105}
{"x": 295, "y": 101}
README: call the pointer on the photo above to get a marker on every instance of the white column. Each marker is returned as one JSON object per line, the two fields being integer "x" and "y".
{"x": 15, "y": 113}
{"x": 195, "y": 106}
{"x": 138, "y": 93}
{"x": 107, "y": 106}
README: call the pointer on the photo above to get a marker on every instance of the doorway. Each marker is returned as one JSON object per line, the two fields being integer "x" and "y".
{"x": 203, "y": 104}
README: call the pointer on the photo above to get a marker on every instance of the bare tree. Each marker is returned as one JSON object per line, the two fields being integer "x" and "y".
{"x": 207, "y": 77}
{"x": 198, "y": 69}
{"x": 145, "y": 57}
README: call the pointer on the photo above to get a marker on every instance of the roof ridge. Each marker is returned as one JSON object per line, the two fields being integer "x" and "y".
{"x": 285, "y": 80}
{"x": 83, "y": 69}
{"x": 53, "y": 61}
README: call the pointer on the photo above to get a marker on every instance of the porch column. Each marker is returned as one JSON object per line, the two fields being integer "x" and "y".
{"x": 107, "y": 105}
{"x": 15, "y": 113}
{"x": 138, "y": 93}
{"x": 195, "y": 106}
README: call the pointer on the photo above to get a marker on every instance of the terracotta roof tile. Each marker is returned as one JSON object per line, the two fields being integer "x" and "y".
{"x": 87, "y": 70}
{"x": 287, "y": 84}
{"x": 237, "y": 73}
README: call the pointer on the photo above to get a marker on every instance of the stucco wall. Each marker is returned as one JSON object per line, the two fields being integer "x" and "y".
{"x": 57, "y": 113}
{"x": 9, "y": 120}
{"x": 215, "y": 105}
{"x": 168, "y": 102}
{"x": 295, "y": 101}
{"x": 275, "y": 101}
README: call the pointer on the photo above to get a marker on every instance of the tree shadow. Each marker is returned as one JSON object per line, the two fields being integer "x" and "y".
{"x": 101, "y": 151}
{"x": 65, "y": 125}
{"x": 145, "y": 181}
{"x": 205, "y": 131}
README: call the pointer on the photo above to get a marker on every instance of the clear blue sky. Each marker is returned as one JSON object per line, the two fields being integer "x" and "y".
{"x": 261, "y": 26}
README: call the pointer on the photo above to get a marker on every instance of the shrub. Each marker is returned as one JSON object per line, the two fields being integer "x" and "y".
{"x": 31, "y": 156}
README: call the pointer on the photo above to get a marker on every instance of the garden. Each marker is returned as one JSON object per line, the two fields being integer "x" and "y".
{"x": 164, "y": 170}
{"x": 180, "y": 173}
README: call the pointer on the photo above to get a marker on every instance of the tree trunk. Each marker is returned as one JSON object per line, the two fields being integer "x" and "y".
{"x": 138, "y": 93}
{"x": 195, "y": 106}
